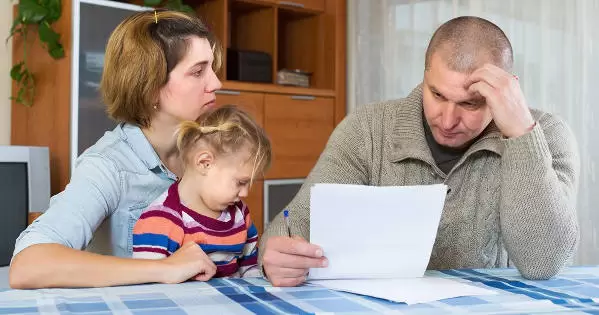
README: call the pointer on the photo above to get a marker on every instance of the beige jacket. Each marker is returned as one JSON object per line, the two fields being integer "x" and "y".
{"x": 512, "y": 201}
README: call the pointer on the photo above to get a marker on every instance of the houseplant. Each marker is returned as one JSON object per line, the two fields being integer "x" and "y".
{"x": 34, "y": 15}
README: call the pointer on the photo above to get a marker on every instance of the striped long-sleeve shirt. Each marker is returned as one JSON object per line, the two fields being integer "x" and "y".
{"x": 230, "y": 241}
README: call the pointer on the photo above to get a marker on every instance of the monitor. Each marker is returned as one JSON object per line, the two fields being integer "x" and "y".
{"x": 278, "y": 193}
{"x": 24, "y": 188}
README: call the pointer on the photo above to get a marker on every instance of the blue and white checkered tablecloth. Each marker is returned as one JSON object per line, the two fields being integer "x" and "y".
{"x": 574, "y": 291}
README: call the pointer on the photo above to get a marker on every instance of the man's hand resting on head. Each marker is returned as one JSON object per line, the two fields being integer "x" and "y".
{"x": 503, "y": 95}
{"x": 286, "y": 261}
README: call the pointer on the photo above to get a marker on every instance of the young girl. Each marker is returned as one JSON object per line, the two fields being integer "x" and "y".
{"x": 223, "y": 151}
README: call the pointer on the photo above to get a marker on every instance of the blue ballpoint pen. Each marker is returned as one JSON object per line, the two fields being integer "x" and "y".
{"x": 286, "y": 217}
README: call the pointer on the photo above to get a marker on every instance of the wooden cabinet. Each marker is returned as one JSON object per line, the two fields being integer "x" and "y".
{"x": 254, "y": 203}
{"x": 251, "y": 102}
{"x": 299, "y": 127}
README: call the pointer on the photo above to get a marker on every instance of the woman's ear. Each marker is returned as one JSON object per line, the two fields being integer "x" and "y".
{"x": 203, "y": 161}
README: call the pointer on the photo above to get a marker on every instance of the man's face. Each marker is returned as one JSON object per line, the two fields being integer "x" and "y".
{"x": 455, "y": 117}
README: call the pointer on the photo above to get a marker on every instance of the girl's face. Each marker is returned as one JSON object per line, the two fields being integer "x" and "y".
{"x": 222, "y": 180}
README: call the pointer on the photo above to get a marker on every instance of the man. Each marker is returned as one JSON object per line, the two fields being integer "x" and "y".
{"x": 512, "y": 171}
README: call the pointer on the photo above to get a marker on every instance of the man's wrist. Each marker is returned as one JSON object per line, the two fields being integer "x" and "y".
{"x": 525, "y": 132}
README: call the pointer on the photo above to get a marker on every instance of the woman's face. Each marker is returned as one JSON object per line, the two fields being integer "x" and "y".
{"x": 191, "y": 85}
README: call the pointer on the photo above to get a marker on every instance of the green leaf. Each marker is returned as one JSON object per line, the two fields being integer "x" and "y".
{"x": 16, "y": 72}
{"x": 21, "y": 29}
{"x": 187, "y": 9}
{"x": 31, "y": 12}
{"x": 152, "y": 3}
{"x": 47, "y": 34}
{"x": 16, "y": 22}
{"x": 20, "y": 95}
{"x": 56, "y": 52}
{"x": 51, "y": 39}
{"x": 54, "y": 10}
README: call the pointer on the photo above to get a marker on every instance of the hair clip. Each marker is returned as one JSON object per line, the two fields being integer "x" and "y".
{"x": 155, "y": 17}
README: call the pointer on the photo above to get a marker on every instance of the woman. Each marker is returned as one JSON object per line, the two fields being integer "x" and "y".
{"x": 159, "y": 70}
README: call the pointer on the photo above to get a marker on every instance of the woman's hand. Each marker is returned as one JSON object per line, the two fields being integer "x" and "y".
{"x": 186, "y": 263}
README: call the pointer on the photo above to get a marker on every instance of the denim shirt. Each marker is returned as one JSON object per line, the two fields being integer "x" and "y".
{"x": 112, "y": 182}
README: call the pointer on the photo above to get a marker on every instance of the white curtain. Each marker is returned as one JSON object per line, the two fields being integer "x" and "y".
{"x": 556, "y": 50}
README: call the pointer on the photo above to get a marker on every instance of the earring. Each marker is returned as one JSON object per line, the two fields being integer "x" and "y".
{"x": 155, "y": 106}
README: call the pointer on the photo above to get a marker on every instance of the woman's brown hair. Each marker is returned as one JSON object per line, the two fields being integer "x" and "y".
{"x": 140, "y": 54}
{"x": 226, "y": 130}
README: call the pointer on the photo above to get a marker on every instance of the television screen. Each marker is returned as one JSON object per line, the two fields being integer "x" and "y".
{"x": 279, "y": 195}
{"x": 15, "y": 208}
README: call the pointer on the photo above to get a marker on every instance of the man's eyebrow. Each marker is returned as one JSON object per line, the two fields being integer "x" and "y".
{"x": 474, "y": 101}
{"x": 434, "y": 90}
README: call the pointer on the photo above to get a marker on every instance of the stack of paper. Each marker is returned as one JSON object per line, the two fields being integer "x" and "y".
{"x": 378, "y": 241}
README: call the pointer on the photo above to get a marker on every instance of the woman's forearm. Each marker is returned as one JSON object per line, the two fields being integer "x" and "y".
{"x": 54, "y": 265}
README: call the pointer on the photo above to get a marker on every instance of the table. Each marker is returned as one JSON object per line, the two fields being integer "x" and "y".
{"x": 574, "y": 291}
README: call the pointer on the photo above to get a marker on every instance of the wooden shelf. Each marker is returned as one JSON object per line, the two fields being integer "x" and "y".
{"x": 274, "y": 88}
{"x": 305, "y": 6}
{"x": 256, "y": 3}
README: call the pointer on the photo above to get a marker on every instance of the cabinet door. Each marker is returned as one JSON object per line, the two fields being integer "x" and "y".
{"x": 255, "y": 204}
{"x": 299, "y": 128}
{"x": 251, "y": 102}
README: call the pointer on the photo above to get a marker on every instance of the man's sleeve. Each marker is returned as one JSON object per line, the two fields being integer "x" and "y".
{"x": 539, "y": 183}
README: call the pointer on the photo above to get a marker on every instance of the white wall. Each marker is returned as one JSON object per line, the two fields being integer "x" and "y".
{"x": 5, "y": 64}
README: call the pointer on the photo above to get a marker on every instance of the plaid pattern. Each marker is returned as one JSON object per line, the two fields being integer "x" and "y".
{"x": 574, "y": 291}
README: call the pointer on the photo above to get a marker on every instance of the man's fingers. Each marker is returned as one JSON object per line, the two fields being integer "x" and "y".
{"x": 282, "y": 272}
{"x": 295, "y": 247}
{"x": 490, "y": 74}
{"x": 274, "y": 258}
{"x": 482, "y": 88}
{"x": 288, "y": 282}
{"x": 298, "y": 238}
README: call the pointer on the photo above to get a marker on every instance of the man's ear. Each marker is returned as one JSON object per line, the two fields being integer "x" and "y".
{"x": 203, "y": 160}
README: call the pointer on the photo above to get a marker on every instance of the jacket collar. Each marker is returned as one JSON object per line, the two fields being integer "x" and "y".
{"x": 138, "y": 142}
{"x": 409, "y": 140}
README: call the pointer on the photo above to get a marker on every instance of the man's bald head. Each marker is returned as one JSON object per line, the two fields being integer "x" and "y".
{"x": 466, "y": 43}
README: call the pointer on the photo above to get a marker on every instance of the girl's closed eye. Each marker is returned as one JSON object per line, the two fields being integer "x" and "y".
{"x": 242, "y": 182}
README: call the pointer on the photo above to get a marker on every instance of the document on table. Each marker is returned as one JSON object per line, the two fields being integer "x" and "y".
{"x": 378, "y": 241}
{"x": 406, "y": 290}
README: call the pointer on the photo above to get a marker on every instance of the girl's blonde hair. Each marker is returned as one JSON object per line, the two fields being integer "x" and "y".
{"x": 226, "y": 130}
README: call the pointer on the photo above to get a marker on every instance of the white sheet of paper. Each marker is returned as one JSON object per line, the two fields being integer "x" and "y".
{"x": 409, "y": 291}
{"x": 371, "y": 232}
